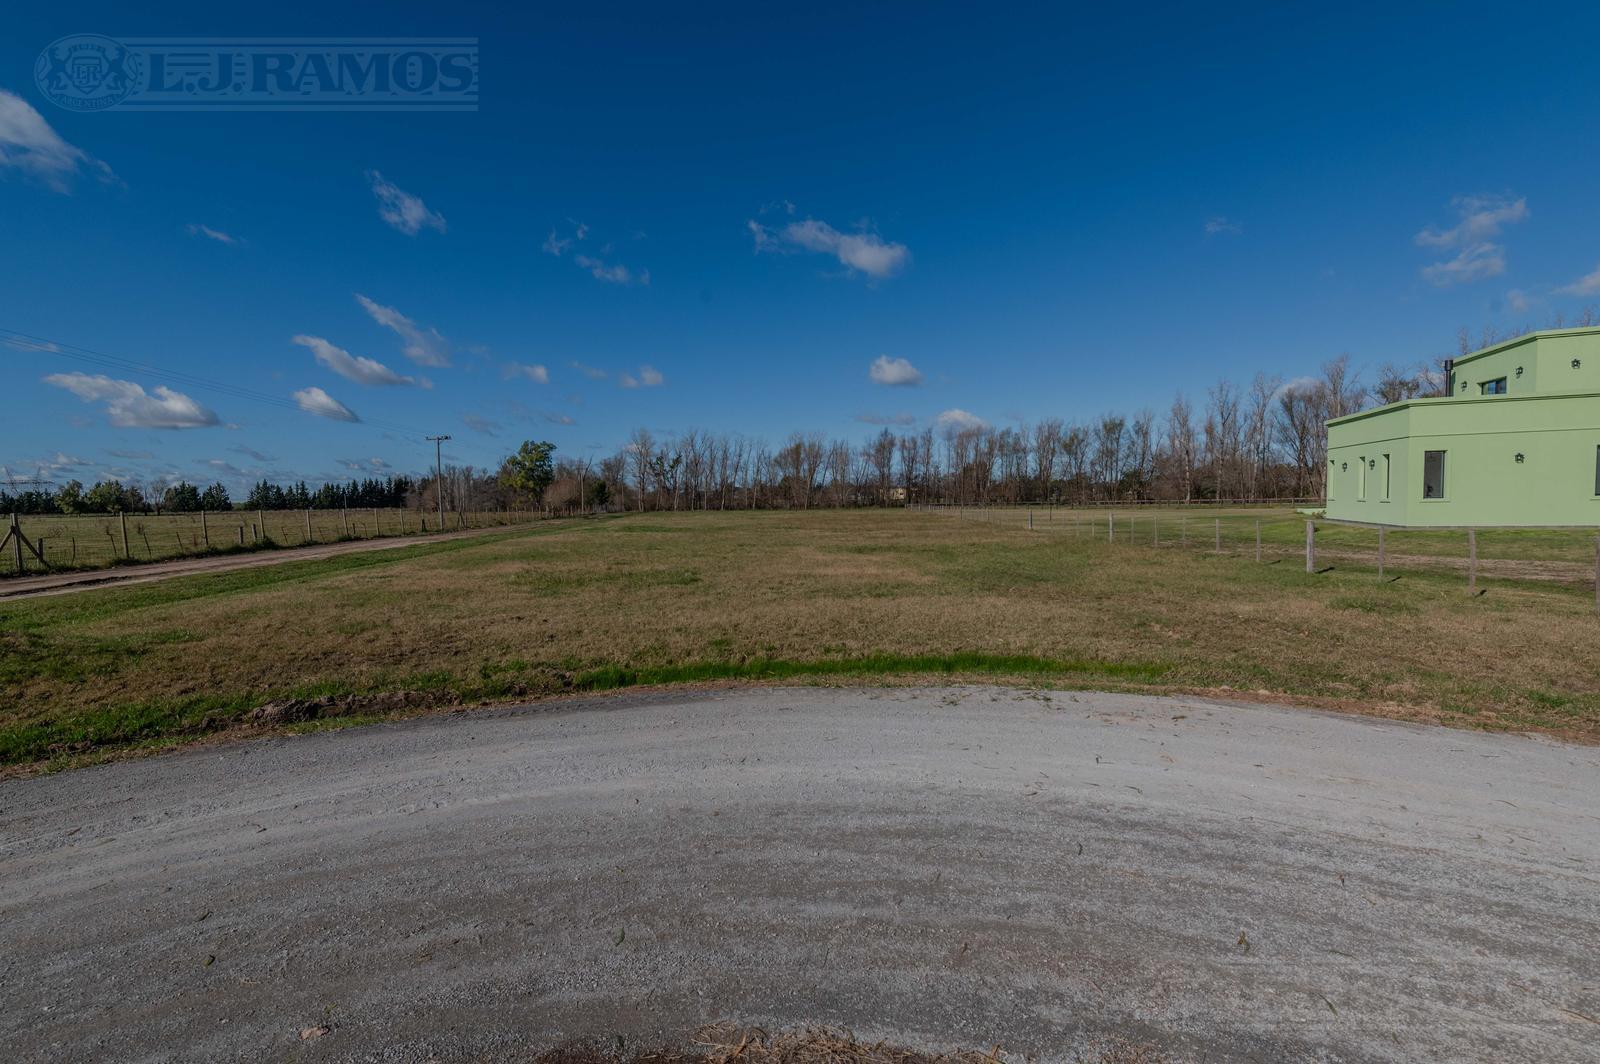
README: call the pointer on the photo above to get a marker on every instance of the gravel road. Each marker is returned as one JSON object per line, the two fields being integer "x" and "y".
{"x": 945, "y": 867}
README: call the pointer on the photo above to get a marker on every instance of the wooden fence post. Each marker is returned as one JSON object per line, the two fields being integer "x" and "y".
{"x": 1111, "y": 527}
{"x": 1311, "y": 549}
{"x": 205, "y": 532}
{"x": 1030, "y": 520}
{"x": 16, "y": 541}
{"x": 1472, "y": 561}
{"x": 261, "y": 526}
{"x": 308, "y": 524}
{"x": 1381, "y": 532}
{"x": 344, "y": 515}
{"x": 123, "y": 514}
{"x": 1217, "y": 531}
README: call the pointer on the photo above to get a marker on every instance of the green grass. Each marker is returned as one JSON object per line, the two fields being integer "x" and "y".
{"x": 878, "y": 597}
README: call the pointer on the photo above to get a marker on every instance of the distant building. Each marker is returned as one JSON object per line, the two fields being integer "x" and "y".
{"x": 1516, "y": 442}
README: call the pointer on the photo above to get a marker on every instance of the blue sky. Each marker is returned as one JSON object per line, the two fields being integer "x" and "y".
{"x": 1044, "y": 212}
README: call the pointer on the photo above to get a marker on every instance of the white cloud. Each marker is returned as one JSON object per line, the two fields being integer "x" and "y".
{"x": 895, "y": 372}
{"x": 648, "y": 377}
{"x": 1220, "y": 226}
{"x": 401, "y": 209}
{"x": 957, "y": 420}
{"x": 129, "y": 406}
{"x": 1482, "y": 218}
{"x": 537, "y": 374}
{"x": 351, "y": 367}
{"x": 23, "y": 343}
{"x": 425, "y": 347}
{"x": 612, "y": 273}
{"x": 218, "y": 235}
{"x": 1472, "y": 263}
{"x": 1587, "y": 285}
{"x": 864, "y": 252}
{"x": 554, "y": 245}
{"x": 558, "y": 419}
{"x": 1298, "y": 385}
{"x": 29, "y": 145}
{"x": 1477, "y": 254}
{"x": 318, "y": 402}
{"x": 251, "y": 452}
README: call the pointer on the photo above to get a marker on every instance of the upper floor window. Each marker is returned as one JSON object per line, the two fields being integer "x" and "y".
{"x": 1494, "y": 387}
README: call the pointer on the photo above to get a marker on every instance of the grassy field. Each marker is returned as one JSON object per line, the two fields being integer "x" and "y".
{"x": 90, "y": 541}
{"x": 826, "y": 596}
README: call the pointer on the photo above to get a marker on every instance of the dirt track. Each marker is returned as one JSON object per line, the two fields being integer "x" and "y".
{"x": 944, "y": 867}
{"x": 64, "y": 583}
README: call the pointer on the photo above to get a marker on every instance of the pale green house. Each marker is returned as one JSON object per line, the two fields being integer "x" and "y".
{"x": 1517, "y": 442}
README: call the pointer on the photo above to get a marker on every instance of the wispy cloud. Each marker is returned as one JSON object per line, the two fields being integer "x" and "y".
{"x": 594, "y": 373}
{"x": 894, "y": 372}
{"x": 555, "y": 245}
{"x": 251, "y": 452}
{"x": 1472, "y": 263}
{"x": 1480, "y": 220}
{"x": 29, "y": 146}
{"x": 648, "y": 377}
{"x": 537, "y": 374}
{"x": 129, "y": 406}
{"x": 132, "y": 456}
{"x": 958, "y": 420}
{"x": 886, "y": 419}
{"x": 479, "y": 423}
{"x": 863, "y": 252}
{"x": 401, "y": 209}
{"x": 1220, "y": 226}
{"x": 195, "y": 229}
{"x": 1587, "y": 285}
{"x": 1519, "y": 301}
{"x": 611, "y": 273}
{"x": 316, "y": 401}
{"x": 364, "y": 465}
{"x": 425, "y": 347}
{"x": 351, "y": 367}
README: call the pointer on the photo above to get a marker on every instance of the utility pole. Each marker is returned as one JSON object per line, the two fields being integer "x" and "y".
{"x": 438, "y": 473}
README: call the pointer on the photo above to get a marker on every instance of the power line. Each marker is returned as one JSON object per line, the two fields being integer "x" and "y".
{"x": 27, "y": 342}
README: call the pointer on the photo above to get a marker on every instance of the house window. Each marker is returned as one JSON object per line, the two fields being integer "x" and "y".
{"x": 1361, "y": 479}
{"x": 1387, "y": 483}
{"x": 1433, "y": 474}
{"x": 1494, "y": 387}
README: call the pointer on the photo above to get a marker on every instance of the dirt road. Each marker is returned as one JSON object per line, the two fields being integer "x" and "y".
{"x": 954, "y": 866}
{"x": 64, "y": 583}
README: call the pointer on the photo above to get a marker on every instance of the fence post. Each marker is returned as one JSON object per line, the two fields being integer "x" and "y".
{"x": 308, "y": 524}
{"x": 241, "y": 533}
{"x": 1155, "y": 531}
{"x": 1030, "y": 520}
{"x": 1111, "y": 527}
{"x": 205, "y": 531}
{"x": 1258, "y": 540}
{"x": 377, "y": 523}
{"x": 261, "y": 526}
{"x": 1311, "y": 549}
{"x": 1381, "y": 536}
{"x": 123, "y": 514}
{"x": 344, "y": 515}
{"x": 1216, "y": 528}
{"x": 1472, "y": 561}
{"x": 16, "y": 540}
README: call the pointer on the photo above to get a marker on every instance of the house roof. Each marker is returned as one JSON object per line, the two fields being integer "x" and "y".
{"x": 1526, "y": 338}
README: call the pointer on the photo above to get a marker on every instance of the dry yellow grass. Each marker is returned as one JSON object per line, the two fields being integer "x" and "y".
{"x": 687, "y": 597}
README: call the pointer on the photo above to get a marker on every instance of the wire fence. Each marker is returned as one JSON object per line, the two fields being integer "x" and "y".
{"x": 1569, "y": 556}
{"x": 91, "y": 541}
